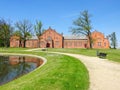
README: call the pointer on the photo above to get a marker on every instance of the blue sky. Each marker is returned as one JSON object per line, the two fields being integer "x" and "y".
{"x": 60, "y": 14}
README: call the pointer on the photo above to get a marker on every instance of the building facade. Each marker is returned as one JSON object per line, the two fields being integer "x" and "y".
{"x": 99, "y": 40}
{"x": 51, "y": 39}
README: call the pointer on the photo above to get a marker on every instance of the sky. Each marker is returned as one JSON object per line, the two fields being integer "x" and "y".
{"x": 60, "y": 14}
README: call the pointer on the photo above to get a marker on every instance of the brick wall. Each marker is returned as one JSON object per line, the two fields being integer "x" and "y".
{"x": 14, "y": 41}
{"x": 32, "y": 43}
{"x": 51, "y": 37}
{"x": 75, "y": 43}
{"x": 56, "y": 40}
{"x": 99, "y": 40}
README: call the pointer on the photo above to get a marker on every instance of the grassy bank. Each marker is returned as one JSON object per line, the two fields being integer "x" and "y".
{"x": 59, "y": 73}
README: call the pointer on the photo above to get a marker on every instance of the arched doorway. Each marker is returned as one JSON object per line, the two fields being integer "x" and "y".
{"x": 49, "y": 43}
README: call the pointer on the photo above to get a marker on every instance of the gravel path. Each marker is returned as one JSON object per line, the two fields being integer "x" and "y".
{"x": 104, "y": 74}
{"x": 33, "y": 49}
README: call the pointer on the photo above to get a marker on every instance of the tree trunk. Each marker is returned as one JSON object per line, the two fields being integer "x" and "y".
{"x": 20, "y": 43}
{"x": 39, "y": 43}
{"x": 90, "y": 40}
{"x": 5, "y": 43}
{"x": 24, "y": 43}
{"x": 90, "y": 44}
{"x": 114, "y": 46}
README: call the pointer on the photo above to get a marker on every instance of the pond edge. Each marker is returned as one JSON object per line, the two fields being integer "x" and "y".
{"x": 44, "y": 59}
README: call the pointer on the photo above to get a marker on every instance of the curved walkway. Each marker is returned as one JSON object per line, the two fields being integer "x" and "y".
{"x": 104, "y": 74}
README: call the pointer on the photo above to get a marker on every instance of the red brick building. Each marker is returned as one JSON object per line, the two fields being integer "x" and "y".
{"x": 50, "y": 38}
{"x": 99, "y": 40}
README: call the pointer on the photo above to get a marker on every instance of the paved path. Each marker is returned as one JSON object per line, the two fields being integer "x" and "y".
{"x": 104, "y": 74}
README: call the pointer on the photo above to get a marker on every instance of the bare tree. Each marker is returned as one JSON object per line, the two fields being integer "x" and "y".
{"x": 113, "y": 40}
{"x": 83, "y": 26}
{"x": 25, "y": 28}
{"x": 38, "y": 31}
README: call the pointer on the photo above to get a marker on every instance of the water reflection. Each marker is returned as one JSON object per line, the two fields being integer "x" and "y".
{"x": 12, "y": 67}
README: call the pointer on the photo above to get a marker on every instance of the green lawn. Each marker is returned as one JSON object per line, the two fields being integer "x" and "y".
{"x": 59, "y": 73}
{"x": 112, "y": 54}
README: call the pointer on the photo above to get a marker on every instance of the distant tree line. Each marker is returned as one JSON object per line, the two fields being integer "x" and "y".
{"x": 23, "y": 29}
{"x": 113, "y": 40}
{"x": 6, "y": 31}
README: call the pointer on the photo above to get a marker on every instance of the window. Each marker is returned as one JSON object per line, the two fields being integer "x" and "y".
{"x": 65, "y": 43}
{"x": 56, "y": 37}
{"x": 32, "y": 43}
{"x": 99, "y": 43}
{"x": 104, "y": 44}
{"x": 49, "y": 38}
{"x": 42, "y": 43}
{"x": 75, "y": 43}
{"x": 17, "y": 43}
{"x": 28, "y": 43}
{"x": 80, "y": 43}
{"x": 70, "y": 43}
{"x": 57, "y": 43}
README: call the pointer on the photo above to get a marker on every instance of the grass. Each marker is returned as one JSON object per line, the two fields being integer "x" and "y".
{"x": 59, "y": 73}
{"x": 88, "y": 52}
{"x": 112, "y": 54}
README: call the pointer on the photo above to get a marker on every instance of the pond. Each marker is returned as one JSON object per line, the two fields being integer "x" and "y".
{"x": 12, "y": 67}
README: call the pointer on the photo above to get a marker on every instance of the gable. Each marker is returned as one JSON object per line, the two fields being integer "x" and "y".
{"x": 51, "y": 34}
{"x": 97, "y": 35}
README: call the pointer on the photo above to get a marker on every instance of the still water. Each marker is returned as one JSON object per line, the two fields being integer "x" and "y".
{"x": 12, "y": 67}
